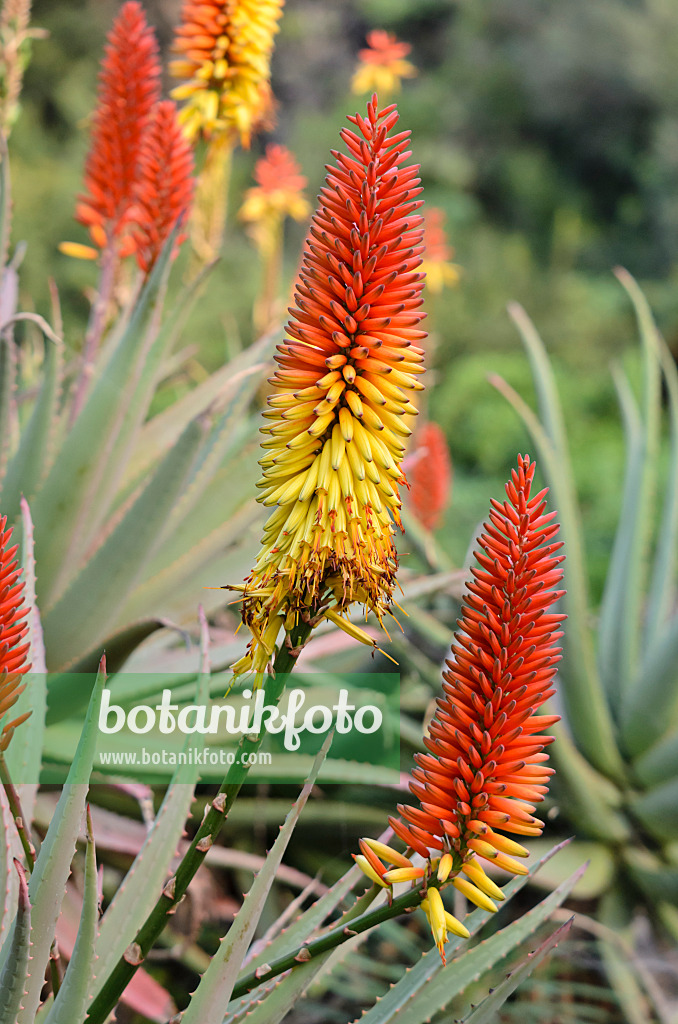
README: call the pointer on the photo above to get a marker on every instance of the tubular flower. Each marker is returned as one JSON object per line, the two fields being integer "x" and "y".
{"x": 164, "y": 190}
{"x": 430, "y": 476}
{"x": 129, "y": 87}
{"x": 279, "y": 193}
{"x": 484, "y": 771}
{"x": 224, "y": 49}
{"x": 440, "y": 273}
{"x": 13, "y": 630}
{"x": 332, "y": 463}
{"x": 382, "y": 64}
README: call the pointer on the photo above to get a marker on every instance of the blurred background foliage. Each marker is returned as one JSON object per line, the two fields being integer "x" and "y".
{"x": 547, "y": 133}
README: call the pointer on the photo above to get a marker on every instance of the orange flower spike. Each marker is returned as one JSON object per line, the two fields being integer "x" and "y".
{"x": 483, "y": 757}
{"x": 224, "y": 50}
{"x": 164, "y": 190}
{"x": 430, "y": 476}
{"x": 13, "y": 633}
{"x": 382, "y": 64}
{"x": 129, "y": 87}
{"x": 332, "y": 463}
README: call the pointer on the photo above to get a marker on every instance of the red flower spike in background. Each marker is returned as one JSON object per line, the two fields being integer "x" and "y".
{"x": 129, "y": 87}
{"x": 484, "y": 771}
{"x": 164, "y": 190}
{"x": 13, "y": 631}
{"x": 332, "y": 463}
{"x": 430, "y": 476}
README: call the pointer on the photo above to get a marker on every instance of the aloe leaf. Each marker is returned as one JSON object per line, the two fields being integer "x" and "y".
{"x": 156, "y": 345}
{"x": 657, "y": 809}
{"x": 24, "y": 754}
{"x": 620, "y": 615}
{"x": 7, "y": 891}
{"x": 14, "y": 973}
{"x": 7, "y": 384}
{"x": 53, "y": 865}
{"x": 138, "y": 892}
{"x": 618, "y": 630}
{"x": 588, "y": 713}
{"x": 592, "y": 800}
{"x": 657, "y": 879}
{"x": 71, "y": 1000}
{"x": 62, "y": 508}
{"x": 200, "y": 553}
{"x": 651, "y": 705}
{"x": 659, "y": 762}
{"x": 161, "y": 431}
{"x": 30, "y": 462}
{"x": 88, "y": 609}
{"x": 661, "y": 591}
{"x": 210, "y": 1000}
{"x": 485, "y": 1013}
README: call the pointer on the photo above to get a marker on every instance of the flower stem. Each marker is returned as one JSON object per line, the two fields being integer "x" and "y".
{"x": 215, "y": 816}
{"x": 346, "y": 929}
{"x": 17, "y": 813}
{"x": 95, "y": 330}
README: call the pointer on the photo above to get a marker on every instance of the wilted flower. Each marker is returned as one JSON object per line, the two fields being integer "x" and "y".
{"x": 440, "y": 273}
{"x": 430, "y": 475}
{"x": 332, "y": 463}
{"x": 382, "y": 64}
{"x": 13, "y": 631}
{"x": 224, "y": 49}
{"x": 279, "y": 193}
{"x": 484, "y": 770}
{"x": 164, "y": 190}
{"x": 129, "y": 87}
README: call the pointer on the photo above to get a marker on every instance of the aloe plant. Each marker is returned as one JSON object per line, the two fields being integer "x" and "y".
{"x": 133, "y": 511}
{"x": 618, "y": 760}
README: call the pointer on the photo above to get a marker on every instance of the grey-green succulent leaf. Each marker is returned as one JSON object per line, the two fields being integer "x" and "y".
{"x": 14, "y": 972}
{"x": 71, "y": 1000}
{"x": 53, "y": 865}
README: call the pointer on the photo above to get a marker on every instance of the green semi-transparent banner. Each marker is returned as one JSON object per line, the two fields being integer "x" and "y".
{"x": 148, "y": 727}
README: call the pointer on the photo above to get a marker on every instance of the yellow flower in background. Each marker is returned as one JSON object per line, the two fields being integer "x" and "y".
{"x": 279, "y": 193}
{"x": 224, "y": 52}
{"x": 336, "y": 436}
{"x": 440, "y": 273}
{"x": 382, "y": 65}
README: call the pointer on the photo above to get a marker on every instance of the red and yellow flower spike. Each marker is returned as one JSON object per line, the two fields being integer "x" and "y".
{"x": 430, "y": 475}
{"x": 440, "y": 272}
{"x": 279, "y": 193}
{"x": 484, "y": 770}
{"x": 332, "y": 463}
{"x": 165, "y": 185}
{"x": 13, "y": 633}
{"x": 224, "y": 52}
{"x": 129, "y": 87}
{"x": 382, "y": 64}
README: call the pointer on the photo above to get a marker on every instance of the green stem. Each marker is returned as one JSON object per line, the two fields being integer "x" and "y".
{"x": 105, "y": 1002}
{"x": 17, "y": 813}
{"x": 331, "y": 939}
